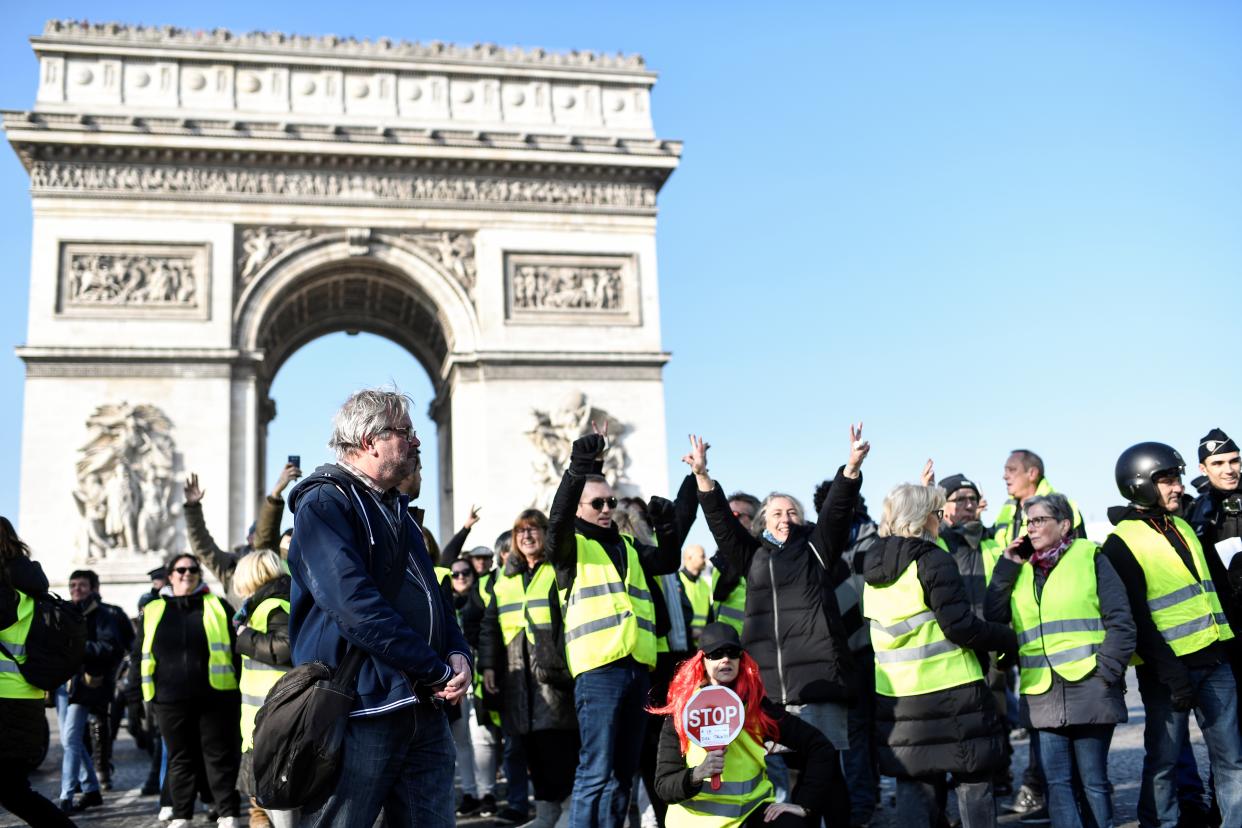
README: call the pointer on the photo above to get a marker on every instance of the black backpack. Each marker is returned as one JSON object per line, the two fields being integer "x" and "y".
{"x": 55, "y": 644}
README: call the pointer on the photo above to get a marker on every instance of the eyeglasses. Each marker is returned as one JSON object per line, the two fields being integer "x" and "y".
{"x": 186, "y": 570}
{"x": 728, "y": 651}
{"x": 1040, "y": 520}
{"x": 740, "y": 515}
{"x": 462, "y": 574}
{"x": 529, "y": 530}
{"x": 939, "y": 513}
{"x": 964, "y": 499}
{"x": 406, "y": 434}
{"x": 597, "y": 503}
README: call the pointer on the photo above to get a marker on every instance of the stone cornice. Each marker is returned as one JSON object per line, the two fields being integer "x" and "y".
{"x": 60, "y": 32}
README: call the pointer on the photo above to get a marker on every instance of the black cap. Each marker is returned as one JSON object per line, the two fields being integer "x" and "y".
{"x": 1215, "y": 442}
{"x": 957, "y": 481}
{"x": 159, "y": 573}
{"x": 716, "y": 635}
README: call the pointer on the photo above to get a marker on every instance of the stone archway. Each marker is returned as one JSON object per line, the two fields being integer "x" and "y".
{"x": 205, "y": 203}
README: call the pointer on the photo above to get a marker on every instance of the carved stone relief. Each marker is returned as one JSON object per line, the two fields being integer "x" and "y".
{"x": 553, "y": 432}
{"x": 451, "y": 250}
{"x": 134, "y": 279}
{"x": 247, "y": 184}
{"x": 126, "y": 475}
{"x": 573, "y": 289}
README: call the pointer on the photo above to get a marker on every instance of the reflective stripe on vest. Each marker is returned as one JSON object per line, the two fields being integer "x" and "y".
{"x": 12, "y": 684}
{"x": 526, "y": 608}
{"x": 605, "y": 619}
{"x": 1183, "y": 604}
{"x": 1060, "y": 629}
{"x": 912, "y": 656}
{"x": 220, "y": 674}
{"x": 744, "y": 786}
{"x": 732, "y": 610}
{"x": 1004, "y": 531}
{"x": 257, "y": 677}
{"x": 699, "y": 592}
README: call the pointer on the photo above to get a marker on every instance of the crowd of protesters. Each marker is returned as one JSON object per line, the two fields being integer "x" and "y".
{"x": 560, "y": 659}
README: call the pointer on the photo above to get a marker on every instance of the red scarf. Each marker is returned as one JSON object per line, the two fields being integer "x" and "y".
{"x": 1047, "y": 559}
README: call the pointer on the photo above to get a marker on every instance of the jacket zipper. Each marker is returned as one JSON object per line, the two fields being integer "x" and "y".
{"x": 776, "y": 629}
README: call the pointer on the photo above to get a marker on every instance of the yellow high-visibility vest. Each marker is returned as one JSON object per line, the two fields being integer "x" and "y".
{"x": 12, "y": 684}
{"x": 732, "y": 610}
{"x": 699, "y": 592}
{"x": 525, "y": 608}
{"x": 990, "y": 549}
{"x": 1062, "y": 629}
{"x": 744, "y": 786}
{"x": 257, "y": 677}
{"x": 220, "y": 674}
{"x": 1183, "y": 604}
{"x": 912, "y": 655}
{"x": 606, "y": 618}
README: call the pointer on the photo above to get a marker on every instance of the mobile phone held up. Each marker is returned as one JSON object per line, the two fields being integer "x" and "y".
{"x": 295, "y": 460}
{"x": 1026, "y": 549}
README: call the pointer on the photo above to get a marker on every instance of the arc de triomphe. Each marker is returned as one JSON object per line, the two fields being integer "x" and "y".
{"x": 206, "y": 203}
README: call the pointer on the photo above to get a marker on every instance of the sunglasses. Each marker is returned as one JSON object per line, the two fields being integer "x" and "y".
{"x": 186, "y": 570}
{"x": 725, "y": 652}
{"x": 597, "y": 503}
{"x": 463, "y": 574}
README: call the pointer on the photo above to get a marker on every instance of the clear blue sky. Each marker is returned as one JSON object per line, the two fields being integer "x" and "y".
{"x": 973, "y": 226}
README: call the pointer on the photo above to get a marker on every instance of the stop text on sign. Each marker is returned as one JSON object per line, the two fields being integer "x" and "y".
{"x": 712, "y": 716}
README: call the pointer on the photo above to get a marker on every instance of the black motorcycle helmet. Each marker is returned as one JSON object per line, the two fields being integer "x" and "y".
{"x": 1141, "y": 462}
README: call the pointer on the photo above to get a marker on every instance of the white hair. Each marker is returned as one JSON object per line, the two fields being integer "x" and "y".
{"x": 906, "y": 509}
{"x": 366, "y": 414}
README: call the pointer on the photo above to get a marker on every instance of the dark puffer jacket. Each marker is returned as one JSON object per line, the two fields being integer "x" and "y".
{"x": 947, "y": 731}
{"x": 22, "y": 721}
{"x": 536, "y": 688}
{"x": 109, "y": 635}
{"x": 793, "y": 626}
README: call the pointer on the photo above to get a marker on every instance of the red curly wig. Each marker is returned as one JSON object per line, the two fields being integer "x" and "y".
{"x": 691, "y": 675}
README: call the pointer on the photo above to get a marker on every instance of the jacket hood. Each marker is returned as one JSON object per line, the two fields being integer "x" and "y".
{"x": 890, "y": 556}
{"x": 327, "y": 474}
{"x": 278, "y": 587}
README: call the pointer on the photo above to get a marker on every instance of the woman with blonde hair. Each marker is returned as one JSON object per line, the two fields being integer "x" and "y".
{"x": 263, "y": 643}
{"x": 934, "y": 713}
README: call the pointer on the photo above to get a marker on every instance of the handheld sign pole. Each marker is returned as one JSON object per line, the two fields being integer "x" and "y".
{"x": 713, "y": 718}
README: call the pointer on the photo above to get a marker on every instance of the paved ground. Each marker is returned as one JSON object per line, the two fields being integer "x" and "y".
{"x": 125, "y": 808}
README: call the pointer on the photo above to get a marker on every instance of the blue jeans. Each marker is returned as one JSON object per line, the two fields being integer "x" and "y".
{"x": 1216, "y": 710}
{"x": 515, "y": 772}
{"x": 1084, "y": 746}
{"x": 402, "y": 762}
{"x": 76, "y": 765}
{"x": 611, "y": 720}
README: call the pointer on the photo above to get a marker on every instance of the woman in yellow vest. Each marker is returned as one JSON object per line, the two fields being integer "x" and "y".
{"x": 934, "y": 714}
{"x": 522, "y": 656}
{"x": 263, "y": 644}
{"x": 189, "y": 673}
{"x": 1075, "y": 638}
{"x": 746, "y": 796}
{"x": 23, "y": 725}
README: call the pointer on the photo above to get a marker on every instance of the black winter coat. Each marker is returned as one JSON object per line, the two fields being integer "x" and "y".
{"x": 793, "y": 626}
{"x": 537, "y": 691}
{"x": 271, "y": 647}
{"x": 180, "y": 649}
{"x": 108, "y": 636}
{"x": 956, "y": 730}
{"x": 820, "y": 787}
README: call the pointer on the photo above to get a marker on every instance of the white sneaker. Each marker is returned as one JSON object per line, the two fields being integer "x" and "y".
{"x": 226, "y": 822}
{"x": 166, "y": 813}
{"x": 179, "y": 823}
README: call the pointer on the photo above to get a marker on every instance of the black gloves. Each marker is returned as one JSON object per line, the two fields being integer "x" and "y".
{"x": 1183, "y": 698}
{"x": 660, "y": 510}
{"x": 589, "y": 445}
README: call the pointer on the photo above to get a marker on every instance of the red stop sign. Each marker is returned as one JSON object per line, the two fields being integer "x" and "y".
{"x": 713, "y": 717}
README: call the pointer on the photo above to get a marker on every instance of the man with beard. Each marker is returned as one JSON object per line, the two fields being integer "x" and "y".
{"x": 352, "y": 534}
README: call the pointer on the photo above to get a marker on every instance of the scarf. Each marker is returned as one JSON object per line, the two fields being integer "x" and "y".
{"x": 1044, "y": 561}
{"x": 770, "y": 538}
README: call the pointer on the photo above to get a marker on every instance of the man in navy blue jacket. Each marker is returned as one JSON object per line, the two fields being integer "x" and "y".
{"x": 351, "y": 533}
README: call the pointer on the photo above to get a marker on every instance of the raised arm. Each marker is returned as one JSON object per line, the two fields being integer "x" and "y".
{"x": 737, "y": 546}
{"x": 832, "y": 527}
{"x": 585, "y": 458}
{"x": 452, "y": 549}
{"x": 686, "y": 506}
{"x": 267, "y": 524}
{"x": 221, "y": 562}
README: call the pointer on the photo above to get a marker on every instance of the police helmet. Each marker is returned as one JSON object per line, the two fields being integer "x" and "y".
{"x": 1138, "y": 464}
